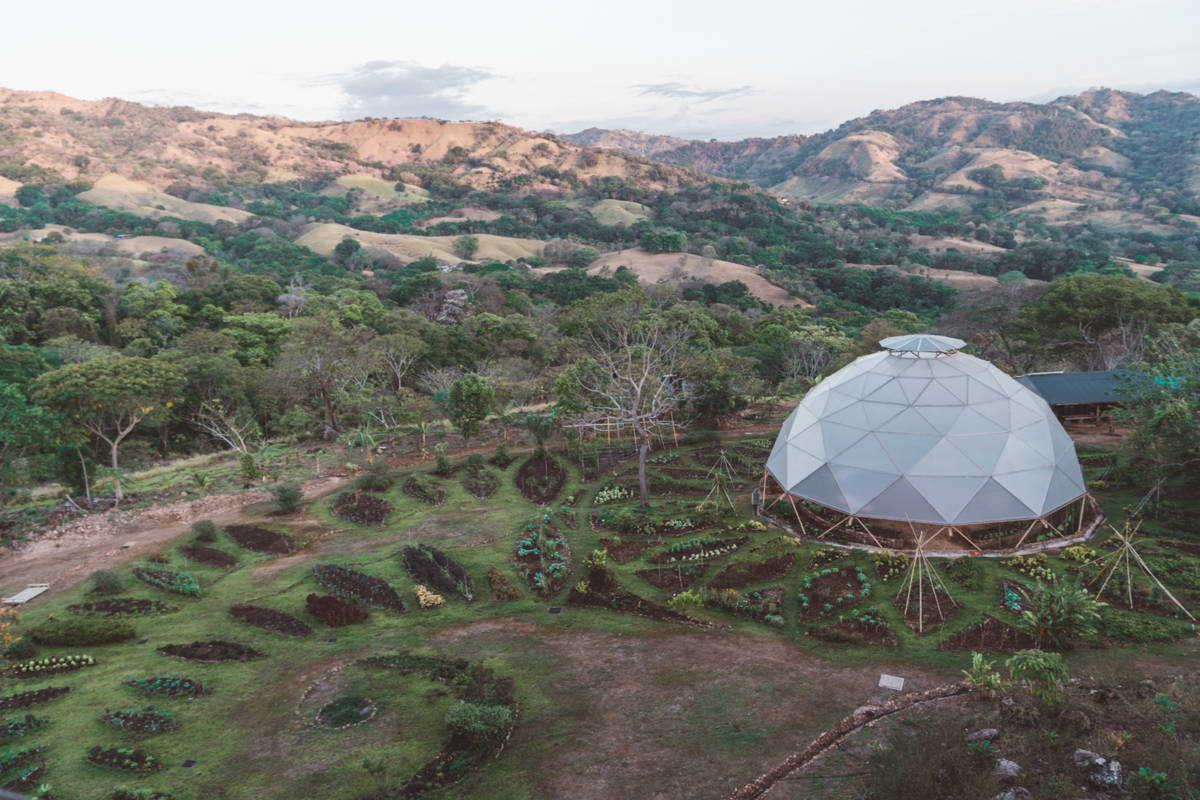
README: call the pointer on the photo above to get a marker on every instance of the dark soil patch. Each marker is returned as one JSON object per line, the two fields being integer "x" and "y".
{"x": 821, "y": 595}
{"x": 12, "y": 760}
{"x": 746, "y": 573}
{"x": 626, "y": 551}
{"x": 141, "y": 794}
{"x": 540, "y": 478}
{"x": 261, "y": 540}
{"x": 604, "y": 591}
{"x": 1184, "y": 547}
{"x": 124, "y": 759}
{"x": 927, "y": 609}
{"x": 852, "y": 631}
{"x": 211, "y": 651}
{"x": 673, "y": 579}
{"x": 270, "y": 619}
{"x": 209, "y": 555}
{"x": 122, "y": 607}
{"x": 989, "y": 635}
{"x": 351, "y": 584}
{"x": 26, "y": 699}
{"x": 141, "y": 723}
{"x": 361, "y": 508}
{"x": 334, "y": 612}
{"x": 480, "y": 481}
{"x": 28, "y": 780}
{"x": 425, "y": 489}
{"x": 436, "y": 570}
{"x": 170, "y": 686}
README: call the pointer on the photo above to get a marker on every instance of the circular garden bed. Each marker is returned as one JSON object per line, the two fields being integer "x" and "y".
{"x": 346, "y": 711}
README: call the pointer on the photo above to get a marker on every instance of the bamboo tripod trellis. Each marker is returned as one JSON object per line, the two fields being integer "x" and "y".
{"x": 920, "y": 572}
{"x": 1125, "y": 556}
{"x": 721, "y": 475}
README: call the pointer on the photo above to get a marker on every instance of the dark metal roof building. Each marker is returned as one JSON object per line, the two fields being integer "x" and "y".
{"x": 1077, "y": 388}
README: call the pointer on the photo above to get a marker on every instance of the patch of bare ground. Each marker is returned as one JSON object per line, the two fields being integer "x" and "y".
{"x": 675, "y": 714}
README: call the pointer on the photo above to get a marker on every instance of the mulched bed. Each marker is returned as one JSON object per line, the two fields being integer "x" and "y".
{"x": 361, "y": 508}
{"x": 603, "y": 591}
{"x": 122, "y": 607}
{"x": 746, "y": 573}
{"x": 854, "y": 632}
{"x": 831, "y": 590}
{"x": 15, "y": 729}
{"x": 270, "y": 619}
{"x": 261, "y": 540}
{"x": 427, "y": 490}
{"x": 351, "y": 584}
{"x": 170, "y": 686}
{"x": 827, "y": 556}
{"x": 672, "y": 579}
{"x": 211, "y": 651}
{"x": 209, "y": 555}
{"x": 169, "y": 580}
{"x": 26, "y": 699}
{"x": 1014, "y": 593}
{"x": 626, "y": 551}
{"x": 1185, "y": 547}
{"x": 935, "y": 612}
{"x": 480, "y": 481}
{"x": 988, "y": 635}
{"x": 53, "y": 665}
{"x": 334, "y": 612}
{"x": 433, "y": 568}
{"x": 28, "y": 780}
{"x": 124, "y": 759}
{"x": 140, "y": 723}
{"x": 143, "y": 794}
{"x": 540, "y": 478}
{"x": 20, "y": 757}
{"x": 762, "y": 605}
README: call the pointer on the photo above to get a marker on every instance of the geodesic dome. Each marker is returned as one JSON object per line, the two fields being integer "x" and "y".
{"x": 923, "y": 433}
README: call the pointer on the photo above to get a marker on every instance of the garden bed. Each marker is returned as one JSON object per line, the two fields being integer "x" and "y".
{"x": 28, "y": 780}
{"x": 830, "y": 589}
{"x": 746, "y": 573}
{"x": 124, "y": 759}
{"x": 480, "y": 481}
{"x": 502, "y": 588}
{"x": 937, "y": 605}
{"x": 433, "y": 568}
{"x": 15, "y": 729}
{"x": 169, "y": 686}
{"x": 543, "y": 556}
{"x": 261, "y": 540}
{"x": 168, "y": 580}
{"x": 764, "y": 605}
{"x": 859, "y": 627}
{"x": 540, "y": 478}
{"x": 602, "y": 590}
{"x": 122, "y": 607}
{"x": 423, "y": 488}
{"x": 1015, "y": 597}
{"x": 334, "y": 612}
{"x": 270, "y": 619}
{"x": 346, "y": 712}
{"x": 699, "y": 548}
{"x": 989, "y": 635}
{"x": 209, "y": 555}
{"x": 626, "y": 551}
{"x": 211, "y": 651}
{"x": 351, "y": 584}
{"x": 140, "y": 723}
{"x": 54, "y": 665}
{"x": 673, "y": 579}
{"x": 361, "y": 508}
{"x": 15, "y": 758}
{"x": 33, "y": 698}
{"x": 826, "y": 556}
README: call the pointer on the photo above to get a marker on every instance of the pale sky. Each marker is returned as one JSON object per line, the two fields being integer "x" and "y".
{"x": 699, "y": 69}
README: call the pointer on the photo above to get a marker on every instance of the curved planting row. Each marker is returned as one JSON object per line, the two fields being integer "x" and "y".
{"x": 433, "y": 568}
{"x": 420, "y": 487}
{"x": 170, "y": 686}
{"x": 26, "y": 699}
{"x": 122, "y": 607}
{"x": 701, "y": 547}
{"x": 359, "y": 587}
{"x": 543, "y": 556}
{"x": 124, "y": 759}
{"x": 54, "y": 665}
{"x": 141, "y": 722}
{"x": 361, "y": 508}
{"x": 16, "y": 758}
{"x": 16, "y": 728}
{"x": 334, "y": 612}
{"x": 211, "y": 651}
{"x": 261, "y": 540}
{"x": 271, "y": 620}
{"x": 169, "y": 580}
{"x": 209, "y": 555}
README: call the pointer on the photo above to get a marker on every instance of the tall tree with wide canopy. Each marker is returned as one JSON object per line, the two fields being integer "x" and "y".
{"x": 110, "y": 396}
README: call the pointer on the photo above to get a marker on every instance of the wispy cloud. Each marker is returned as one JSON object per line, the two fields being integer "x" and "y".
{"x": 405, "y": 89}
{"x": 679, "y": 91}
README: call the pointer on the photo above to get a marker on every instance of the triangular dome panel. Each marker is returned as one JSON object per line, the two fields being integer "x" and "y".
{"x": 822, "y": 487}
{"x": 861, "y": 486}
{"x": 902, "y": 496}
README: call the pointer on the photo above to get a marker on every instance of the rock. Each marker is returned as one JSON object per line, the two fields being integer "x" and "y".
{"x": 1147, "y": 688}
{"x": 1085, "y": 758}
{"x": 1007, "y": 770}
{"x": 1105, "y": 774}
{"x": 982, "y": 734}
{"x": 1015, "y": 793}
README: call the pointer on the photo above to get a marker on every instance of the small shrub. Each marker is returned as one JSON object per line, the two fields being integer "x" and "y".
{"x": 205, "y": 530}
{"x": 376, "y": 478}
{"x": 1059, "y": 610}
{"x": 1147, "y": 784}
{"x": 501, "y": 458}
{"x": 80, "y": 632}
{"x": 502, "y": 587}
{"x": 20, "y": 649}
{"x": 983, "y": 677}
{"x": 287, "y": 496}
{"x": 248, "y": 468}
{"x": 685, "y": 602}
{"x": 478, "y": 727}
{"x": 107, "y": 581}
{"x": 1044, "y": 674}
{"x": 442, "y": 464}
{"x": 429, "y": 599}
{"x": 966, "y": 572}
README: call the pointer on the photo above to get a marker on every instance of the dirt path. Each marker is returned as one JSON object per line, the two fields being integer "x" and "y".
{"x": 67, "y": 556}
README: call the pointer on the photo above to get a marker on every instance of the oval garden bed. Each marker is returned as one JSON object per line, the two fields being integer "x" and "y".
{"x": 54, "y": 665}
{"x": 209, "y": 555}
{"x": 26, "y": 699}
{"x": 123, "y": 758}
{"x": 480, "y": 481}
{"x": 346, "y": 711}
{"x": 141, "y": 722}
{"x": 423, "y": 488}
{"x": 17, "y": 728}
{"x": 169, "y": 685}
{"x": 271, "y": 620}
{"x": 334, "y": 612}
{"x": 361, "y": 508}
{"x": 211, "y": 651}
{"x": 122, "y": 607}
{"x": 431, "y": 567}
{"x": 540, "y": 478}
{"x": 352, "y": 584}
{"x": 261, "y": 540}
{"x": 169, "y": 580}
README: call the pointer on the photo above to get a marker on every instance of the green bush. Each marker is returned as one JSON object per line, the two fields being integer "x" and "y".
{"x": 478, "y": 727}
{"x": 20, "y": 650}
{"x": 1059, "y": 611}
{"x": 81, "y": 632}
{"x": 376, "y": 478}
{"x": 1044, "y": 674}
{"x": 287, "y": 496}
{"x": 107, "y": 581}
{"x": 966, "y": 571}
{"x": 205, "y": 530}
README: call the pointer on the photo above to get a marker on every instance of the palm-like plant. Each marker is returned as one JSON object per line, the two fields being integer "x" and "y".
{"x": 1059, "y": 610}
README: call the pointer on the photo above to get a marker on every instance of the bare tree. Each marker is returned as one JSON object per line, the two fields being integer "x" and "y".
{"x": 438, "y": 379}
{"x": 236, "y": 431}
{"x": 400, "y": 352}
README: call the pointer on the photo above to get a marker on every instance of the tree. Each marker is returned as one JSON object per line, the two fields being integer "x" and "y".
{"x": 345, "y": 248}
{"x": 581, "y": 257}
{"x": 110, "y": 396}
{"x": 465, "y": 247}
{"x": 631, "y": 378}
{"x": 317, "y": 362}
{"x": 468, "y": 404}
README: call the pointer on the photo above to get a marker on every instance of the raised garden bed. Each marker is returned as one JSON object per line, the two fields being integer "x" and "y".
{"x": 1015, "y": 597}
{"x": 361, "y": 508}
{"x": 830, "y": 589}
{"x": 123, "y": 758}
{"x": 626, "y": 551}
{"x": 746, "y": 573}
{"x": 989, "y": 635}
{"x": 169, "y": 580}
{"x": 502, "y": 588}
{"x": 602, "y": 590}
{"x": 139, "y": 723}
{"x": 261, "y": 540}
{"x": 211, "y": 651}
{"x": 433, "y": 568}
{"x": 673, "y": 579}
{"x": 270, "y": 619}
{"x": 540, "y": 478}
{"x": 28, "y": 780}
{"x": 699, "y": 548}
{"x": 423, "y": 488}
{"x": 858, "y": 627}
{"x": 208, "y": 555}
{"x": 936, "y": 604}
{"x": 826, "y": 556}
{"x": 54, "y": 665}
{"x": 334, "y": 612}
{"x": 27, "y": 699}
{"x": 351, "y": 584}
{"x": 170, "y": 686}
{"x": 480, "y": 481}
{"x": 889, "y": 565}
{"x": 15, "y": 729}
{"x": 1033, "y": 566}
{"x": 764, "y": 605}
{"x": 15, "y": 758}
{"x": 543, "y": 556}
{"x": 122, "y": 607}
{"x": 346, "y": 711}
